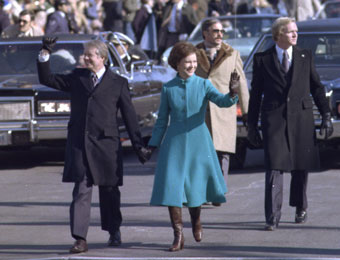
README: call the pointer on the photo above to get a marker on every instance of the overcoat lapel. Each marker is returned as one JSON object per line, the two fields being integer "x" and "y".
{"x": 86, "y": 81}
{"x": 272, "y": 65}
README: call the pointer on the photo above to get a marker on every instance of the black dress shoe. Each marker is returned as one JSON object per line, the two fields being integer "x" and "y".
{"x": 300, "y": 216}
{"x": 80, "y": 246}
{"x": 115, "y": 239}
{"x": 216, "y": 204}
{"x": 271, "y": 226}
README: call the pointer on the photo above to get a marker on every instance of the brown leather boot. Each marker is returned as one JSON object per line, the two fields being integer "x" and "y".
{"x": 177, "y": 225}
{"x": 195, "y": 214}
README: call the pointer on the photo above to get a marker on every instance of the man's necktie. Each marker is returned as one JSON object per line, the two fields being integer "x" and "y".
{"x": 94, "y": 79}
{"x": 178, "y": 20}
{"x": 285, "y": 61}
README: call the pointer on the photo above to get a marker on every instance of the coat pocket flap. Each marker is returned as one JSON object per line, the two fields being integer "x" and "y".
{"x": 307, "y": 103}
{"x": 109, "y": 132}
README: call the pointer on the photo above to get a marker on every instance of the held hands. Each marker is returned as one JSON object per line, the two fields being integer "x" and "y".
{"x": 326, "y": 125}
{"x": 234, "y": 83}
{"x": 144, "y": 153}
{"x": 48, "y": 43}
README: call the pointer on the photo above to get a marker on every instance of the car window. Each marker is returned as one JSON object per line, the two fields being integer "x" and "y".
{"x": 21, "y": 58}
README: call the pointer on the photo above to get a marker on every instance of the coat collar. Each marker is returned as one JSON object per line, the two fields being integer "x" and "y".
{"x": 202, "y": 58}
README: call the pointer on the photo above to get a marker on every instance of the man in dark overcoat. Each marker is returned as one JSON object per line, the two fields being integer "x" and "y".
{"x": 93, "y": 151}
{"x": 57, "y": 22}
{"x": 283, "y": 85}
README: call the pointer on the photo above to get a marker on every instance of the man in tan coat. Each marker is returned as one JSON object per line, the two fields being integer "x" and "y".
{"x": 216, "y": 61}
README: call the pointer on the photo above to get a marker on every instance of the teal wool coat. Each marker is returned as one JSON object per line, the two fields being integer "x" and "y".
{"x": 188, "y": 172}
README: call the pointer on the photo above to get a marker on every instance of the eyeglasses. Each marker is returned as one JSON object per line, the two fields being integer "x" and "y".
{"x": 23, "y": 21}
{"x": 218, "y": 31}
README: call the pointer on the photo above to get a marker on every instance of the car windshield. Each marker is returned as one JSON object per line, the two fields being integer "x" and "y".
{"x": 21, "y": 58}
{"x": 325, "y": 48}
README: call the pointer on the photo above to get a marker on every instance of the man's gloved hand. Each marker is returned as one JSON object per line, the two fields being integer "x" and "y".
{"x": 48, "y": 43}
{"x": 326, "y": 125}
{"x": 144, "y": 153}
{"x": 234, "y": 83}
{"x": 254, "y": 137}
{"x": 245, "y": 120}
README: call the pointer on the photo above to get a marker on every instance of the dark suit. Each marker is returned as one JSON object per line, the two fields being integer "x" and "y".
{"x": 287, "y": 123}
{"x": 93, "y": 150}
{"x": 139, "y": 23}
{"x": 188, "y": 22}
{"x": 56, "y": 24}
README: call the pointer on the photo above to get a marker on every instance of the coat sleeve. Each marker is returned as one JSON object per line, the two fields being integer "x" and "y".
{"x": 56, "y": 81}
{"x": 162, "y": 120}
{"x": 317, "y": 89}
{"x": 52, "y": 24}
{"x": 244, "y": 91}
{"x": 255, "y": 93}
{"x": 218, "y": 98}
{"x": 129, "y": 116}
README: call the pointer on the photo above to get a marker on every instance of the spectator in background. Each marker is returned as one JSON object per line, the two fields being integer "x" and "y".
{"x": 113, "y": 15}
{"x": 200, "y": 7}
{"x": 144, "y": 26}
{"x": 302, "y": 9}
{"x": 57, "y": 22}
{"x": 4, "y": 17}
{"x": 24, "y": 27}
{"x": 262, "y": 7}
{"x": 130, "y": 7}
{"x": 220, "y": 7}
{"x": 279, "y": 7}
{"x": 158, "y": 8}
{"x": 40, "y": 19}
{"x": 179, "y": 19}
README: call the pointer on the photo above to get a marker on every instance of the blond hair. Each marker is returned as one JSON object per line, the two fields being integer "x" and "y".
{"x": 279, "y": 26}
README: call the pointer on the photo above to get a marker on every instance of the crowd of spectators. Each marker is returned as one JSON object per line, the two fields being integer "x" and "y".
{"x": 153, "y": 24}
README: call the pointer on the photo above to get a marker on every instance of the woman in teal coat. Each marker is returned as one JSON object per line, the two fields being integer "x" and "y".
{"x": 188, "y": 172}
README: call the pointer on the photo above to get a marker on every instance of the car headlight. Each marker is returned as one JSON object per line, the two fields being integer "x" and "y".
{"x": 54, "y": 107}
{"x": 15, "y": 111}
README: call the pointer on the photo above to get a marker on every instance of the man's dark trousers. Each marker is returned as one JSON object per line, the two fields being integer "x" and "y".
{"x": 274, "y": 193}
{"x": 109, "y": 202}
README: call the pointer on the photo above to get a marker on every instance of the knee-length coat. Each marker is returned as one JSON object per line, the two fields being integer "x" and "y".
{"x": 188, "y": 172}
{"x": 222, "y": 122}
{"x": 93, "y": 142}
{"x": 286, "y": 108}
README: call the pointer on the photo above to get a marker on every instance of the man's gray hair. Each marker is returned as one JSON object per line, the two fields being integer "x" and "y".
{"x": 101, "y": 47}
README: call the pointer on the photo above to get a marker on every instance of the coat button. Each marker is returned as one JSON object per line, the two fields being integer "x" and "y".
{"x": 288, "y": 99}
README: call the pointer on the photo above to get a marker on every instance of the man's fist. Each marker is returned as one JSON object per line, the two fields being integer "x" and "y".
{"x": 234, "y": 83}
{"x": 48, "y": 43}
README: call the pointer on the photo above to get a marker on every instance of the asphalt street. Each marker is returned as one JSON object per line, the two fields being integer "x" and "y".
{"x": 34, "y": 206}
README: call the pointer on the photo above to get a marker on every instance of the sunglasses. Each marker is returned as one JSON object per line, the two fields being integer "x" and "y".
{"x": 218, "y": 31}
{"x": 23, "y": 21}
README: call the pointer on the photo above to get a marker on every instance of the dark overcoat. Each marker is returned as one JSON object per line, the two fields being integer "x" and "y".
{"x": 287, "y": 120}
{"x": 56, "y": 24}
{"x": 93, "y": 142}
